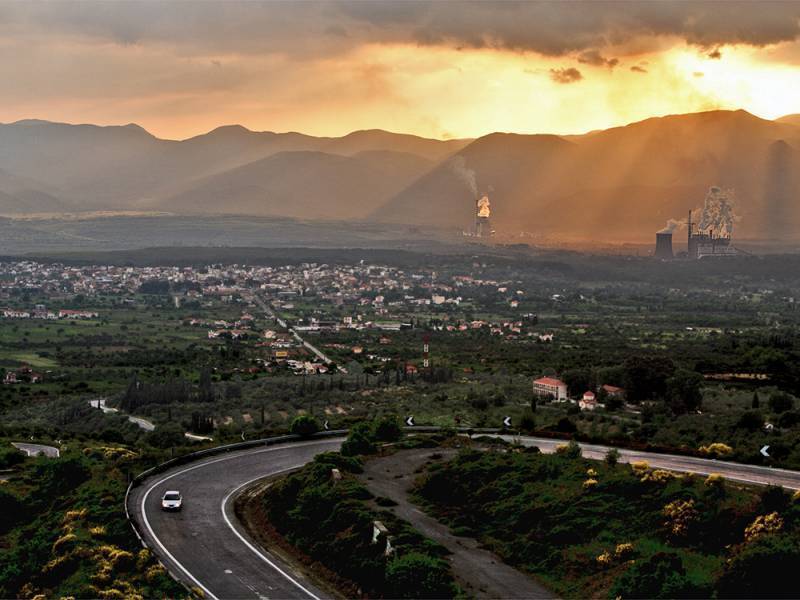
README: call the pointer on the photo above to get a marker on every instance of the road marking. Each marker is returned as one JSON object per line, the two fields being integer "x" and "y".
{"x": 248, "y": 544}
{"x": 197, "y": 466}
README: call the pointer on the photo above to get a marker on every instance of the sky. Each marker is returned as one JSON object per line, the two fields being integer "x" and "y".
{"x": 442, "y": 69}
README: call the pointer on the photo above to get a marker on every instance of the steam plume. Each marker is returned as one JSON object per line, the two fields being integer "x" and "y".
{"x": 717, "y": 213}
{"x": 672, "y": 226}
{"x": 459, "y": 166}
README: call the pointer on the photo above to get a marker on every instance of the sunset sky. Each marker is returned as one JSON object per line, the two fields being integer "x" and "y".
{"x": 441, "y": 69}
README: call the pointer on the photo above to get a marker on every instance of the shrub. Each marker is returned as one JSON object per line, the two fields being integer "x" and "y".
{"x": 359, "y": 441}
{"x": 388, "y": 430}
{"x": 304, "y": 425}
{"x": 660, "y": 576}
{"x": 612, "y": 457}
{"x": 763, "y": 568}
{"x": 763, "y": 524}
{"x": 417, "y": 575}
{"x": 571, "y": 450}
{"x": 780, "y": 402}
{"x": 717, "y": 449}
{"x": 681, "y": 514}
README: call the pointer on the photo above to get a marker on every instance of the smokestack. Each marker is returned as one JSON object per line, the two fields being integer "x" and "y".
{"x": 664, "y": 245}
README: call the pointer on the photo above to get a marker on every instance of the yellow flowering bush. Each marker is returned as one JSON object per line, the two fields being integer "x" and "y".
{"x": 97, "y": 531}
{"x": 715, "y": 480}
{"x": 591, "y": 472}
{"x": 680, "y": 515}
{"x": 771, "y": 523}
{"x": 589, "y": 484}
{"x": 716, "y": 449}
{"x": 658, "y": 476}
{"x": 604, "y": 558}
{"x": 623, "y": 551}
{"x": 796, "y": 496}
{"x": 640, "y": 467}
{"x": 74, "y": 515}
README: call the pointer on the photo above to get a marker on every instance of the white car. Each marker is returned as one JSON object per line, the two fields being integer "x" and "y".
{"x": 172, "y": 500}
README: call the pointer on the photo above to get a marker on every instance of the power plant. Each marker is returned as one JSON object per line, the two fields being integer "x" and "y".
{"x": 664, "y": 245}
{"x": 711, "y": 237}
{"x": 702, "y": 244}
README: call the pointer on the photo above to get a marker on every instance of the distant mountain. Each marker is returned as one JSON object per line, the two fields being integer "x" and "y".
{"x": 88, "y": 167}
{"x": 790, "y": 119}
{"x": 621, "y": 183}
{"x": 618, "y": 184}
{"x": 377, "y": 139}
{"x": 304, "y": 184}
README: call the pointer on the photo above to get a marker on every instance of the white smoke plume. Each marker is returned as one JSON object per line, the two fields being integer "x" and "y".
{"x": 672, "y": 226}
{"x": 718, "y": 214}
{"x": 459, "y": 166}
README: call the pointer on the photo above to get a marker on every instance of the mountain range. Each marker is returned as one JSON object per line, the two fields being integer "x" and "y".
{"x": 619, "y": 184}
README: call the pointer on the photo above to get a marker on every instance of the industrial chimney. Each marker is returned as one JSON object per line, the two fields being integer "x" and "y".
{"x": 664, "y": 245}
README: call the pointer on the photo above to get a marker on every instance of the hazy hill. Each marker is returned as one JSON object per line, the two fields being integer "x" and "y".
{"x": 87, "y": 167}
{"x": 621, "y": 183}
{"x": 304, "y": 184}
{"x": 377, "y": 139}
{"x": 790, "y": 119}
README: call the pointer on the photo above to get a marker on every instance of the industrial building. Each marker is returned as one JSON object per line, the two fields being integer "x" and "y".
{"x": 702, "y": 244}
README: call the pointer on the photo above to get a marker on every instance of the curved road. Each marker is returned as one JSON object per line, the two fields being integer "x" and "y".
{"x": 205, "y": 547}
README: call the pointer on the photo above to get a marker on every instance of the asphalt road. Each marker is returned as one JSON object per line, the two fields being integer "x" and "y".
{"x": 205, "y": 546}
{"x": 37, "y": 449}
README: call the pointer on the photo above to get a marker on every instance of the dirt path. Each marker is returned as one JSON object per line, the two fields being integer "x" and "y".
{"x": 479, "y": 572}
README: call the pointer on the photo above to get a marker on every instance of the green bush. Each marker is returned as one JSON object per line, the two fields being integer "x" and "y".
{"x": 763, "y": 568}
{"x": 304, "y": 425}
{"x": 388, "y": 430}
{"x": 416, "y": 575}
{"x": 359, "y": 441}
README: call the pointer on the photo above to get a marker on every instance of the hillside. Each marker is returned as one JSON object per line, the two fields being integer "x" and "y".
{"x": 621, "y": 183}
{"x": 102, "y": 168}
{"x": 304, "y": 185}
{"x": 790, "y": 119}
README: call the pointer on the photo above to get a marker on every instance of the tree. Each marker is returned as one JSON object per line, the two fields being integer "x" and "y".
{"x": 166, "y": 436}
{"x": 577, "y": 380}
{"x": 388, "y": 430}
{"x": 612, "y": 457}
{"x": 756, "y": 402}
{"x": 780, "y": 402}
{"x": 645, "y": 377}
{"x": 683, "y": 391}
{"x": 304, "y": 425}
{"x": 750, "y": 420}
{"x": 359, "y": 441}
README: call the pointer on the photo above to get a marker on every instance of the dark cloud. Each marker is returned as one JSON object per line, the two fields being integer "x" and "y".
{"x": 638, "y": 69}
{"x": 320, "y": 28}
{"x": 595, "y": 59}
{"x": 566, "y": 75}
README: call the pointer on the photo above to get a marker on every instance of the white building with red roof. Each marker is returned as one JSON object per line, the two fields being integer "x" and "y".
{"x": 550, "y": 386}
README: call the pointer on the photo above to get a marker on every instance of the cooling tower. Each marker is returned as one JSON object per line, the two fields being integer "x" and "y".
{"x": 664, "y": 245}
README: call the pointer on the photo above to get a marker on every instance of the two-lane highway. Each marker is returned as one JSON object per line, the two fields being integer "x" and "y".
{"x": 203, "y": 544}
{"x": 206, "y": 547}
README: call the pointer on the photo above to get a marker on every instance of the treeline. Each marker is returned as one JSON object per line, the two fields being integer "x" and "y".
{"x": 173, "y": 390}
